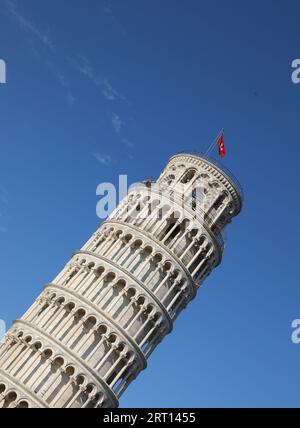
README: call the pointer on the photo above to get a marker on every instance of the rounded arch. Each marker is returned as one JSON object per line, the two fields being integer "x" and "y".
{"x": 112, "y": 338}
{"x": 141, "y": 300}
{"x": 122, "y": 347}
{"x": 188, "y": 175}
{"x": 147, "y": 249}
{"x": 131, "y": 292}
{"x": 157, "y": 256}
{"x": 11, "y": 397}
{"x": 150, "y": 308}
{"x": 2, "y": 388}
{"x": 128, "y": 237}
{"x": 28, "y": 338}
{"x": 70, "y": 370}
{"x": 70, "y": 306}
{"x": 91, "y": 265}
{"x": 110, "y": 276}
{"x": 59, "y": 361}
{"x": 47, "y": 353}
{"x": 167, "y": 265}
{"x": 121, "y": 283}
{"x": 194, "y": 232}
{"x": 91, "y": 320}
{"x": 119, "y": 233}
{"x": 137, "y": 243}
{"x": 37, "y": 345}
{"x": 80, "y": 379}
{"x": 52, "y": 296}
{"x": 176, "y": 273}
{"x": 60, "y": 300}
{"x": 102, "y": 329}
{"x": 23, "y": 404}
{"x": 99, "y": 270}
{"x": 91, "y": 389}
{"x": 80, "y": 312}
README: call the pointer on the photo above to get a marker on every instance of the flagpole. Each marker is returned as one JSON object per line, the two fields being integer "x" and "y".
{"x": 214, "y": 142}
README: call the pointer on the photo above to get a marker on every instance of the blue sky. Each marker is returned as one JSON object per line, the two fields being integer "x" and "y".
{"x": 100, "y": 88}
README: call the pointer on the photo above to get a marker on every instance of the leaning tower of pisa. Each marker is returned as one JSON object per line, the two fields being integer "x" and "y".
{"x": 90, "y": 332}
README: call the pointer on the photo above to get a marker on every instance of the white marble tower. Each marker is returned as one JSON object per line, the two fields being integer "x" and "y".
{"x": 90, "y": 332}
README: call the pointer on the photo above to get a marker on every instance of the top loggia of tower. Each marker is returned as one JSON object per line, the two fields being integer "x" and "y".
{"x": 221, "y": 173}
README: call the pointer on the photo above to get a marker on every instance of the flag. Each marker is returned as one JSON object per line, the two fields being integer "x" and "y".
{"x": 221, "y": 145}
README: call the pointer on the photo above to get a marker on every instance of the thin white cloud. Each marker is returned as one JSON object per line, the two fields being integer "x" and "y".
{"x": 127, "y": 142}
{"x": 37, "y": 35}
{"x": 28, "y": 25}
{"x": 84, "y": 67}
{"x": 108, "y": 10}
{"x": 103, "y": 159}
{"x": 111, "y": 93}
{"x": 117, "y": 123}
{"x": 70, "y": 98}
{"x": 62, "y": 80}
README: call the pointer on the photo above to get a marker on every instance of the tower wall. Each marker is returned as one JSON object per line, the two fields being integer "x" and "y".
{"x": 91, "y": 330}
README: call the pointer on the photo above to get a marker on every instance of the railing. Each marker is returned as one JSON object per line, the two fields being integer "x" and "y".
{"x": 221, "y": 167}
